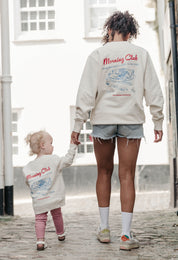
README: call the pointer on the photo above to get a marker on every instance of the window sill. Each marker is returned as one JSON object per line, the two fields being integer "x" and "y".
{"x": 38, "y": 38}
{"x": 41, "y": 41}
{"x": 92, "y": 38}
{"x": 97, "y": 35}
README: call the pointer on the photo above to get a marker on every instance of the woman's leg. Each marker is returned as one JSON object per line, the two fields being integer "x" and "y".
{"x": 40, "y": 225}
{"x": 104, "y": 152}
{"x": 58, "y": 220}
{"x": 128, "y": 152}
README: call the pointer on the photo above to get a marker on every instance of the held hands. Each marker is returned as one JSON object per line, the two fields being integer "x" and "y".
{"x": 158, "y": 135}
{"x": 74, "y": 138}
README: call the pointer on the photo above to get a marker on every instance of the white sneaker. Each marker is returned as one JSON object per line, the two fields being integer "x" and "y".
{"x": 128, "y": 243}
{"x": 41, "y": 245}
{"x": 104, "y": 235}
{"x": 61, "y": 237}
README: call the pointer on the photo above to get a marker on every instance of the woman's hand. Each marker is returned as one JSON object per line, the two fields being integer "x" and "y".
{"x": 158, "y": 136}
{"x": 74, "y": 138}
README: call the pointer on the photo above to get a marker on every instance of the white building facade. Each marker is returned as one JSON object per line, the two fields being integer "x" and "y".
{"x": 50, "y": 41}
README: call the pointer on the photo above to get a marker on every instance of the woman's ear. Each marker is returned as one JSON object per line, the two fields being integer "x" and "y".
{"x": 109, "y": 35}
{"x": 128, "y": 36}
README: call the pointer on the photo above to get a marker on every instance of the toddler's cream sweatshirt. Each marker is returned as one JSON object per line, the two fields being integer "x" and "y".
{"x": 44, "y": 178}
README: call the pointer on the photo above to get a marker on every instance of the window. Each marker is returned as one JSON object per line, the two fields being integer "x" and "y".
{"x": 86, "y": 144}
{"x": 15, "y": 137}
{"x": 37, "y": 15}
{"x": 96, "y": 12}
{"x": 36, "y": 20}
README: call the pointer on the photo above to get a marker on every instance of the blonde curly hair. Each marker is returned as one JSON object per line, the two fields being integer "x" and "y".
{"x": 34, "y": 140}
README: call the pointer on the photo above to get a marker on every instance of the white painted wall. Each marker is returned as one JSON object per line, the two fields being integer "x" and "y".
{"x": 46, "y": 76}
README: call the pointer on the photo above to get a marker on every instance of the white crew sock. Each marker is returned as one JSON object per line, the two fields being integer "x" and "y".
{"x": 126, "y": 223}
{"x": 104, "y": 217}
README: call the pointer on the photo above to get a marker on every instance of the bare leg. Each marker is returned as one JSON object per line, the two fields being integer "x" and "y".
{"x": 128, "y": 152}
{"x": 104, "y": 152}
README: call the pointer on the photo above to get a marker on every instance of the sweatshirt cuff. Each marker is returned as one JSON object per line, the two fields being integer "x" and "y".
{"x": 73, "y": 146}
{"x": 78, "y": 126}
{"x": 158, "y": 125}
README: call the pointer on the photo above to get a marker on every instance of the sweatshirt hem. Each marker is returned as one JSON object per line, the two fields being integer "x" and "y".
{"x": 49, "y": 208}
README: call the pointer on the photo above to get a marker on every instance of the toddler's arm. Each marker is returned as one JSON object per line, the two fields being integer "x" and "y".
{"x": 67, "y": 160}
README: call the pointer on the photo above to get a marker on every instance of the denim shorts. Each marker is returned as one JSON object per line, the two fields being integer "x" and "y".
{"x": 106, "y": 132}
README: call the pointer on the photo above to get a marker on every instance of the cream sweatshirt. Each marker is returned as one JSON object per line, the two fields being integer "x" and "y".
{"x": 116, "y": 78}
{"x": 44, "y": 178}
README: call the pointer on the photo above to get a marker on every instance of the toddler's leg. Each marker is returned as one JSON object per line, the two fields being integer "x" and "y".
{"x": 58, "y": 221}
{"x": 40, "y": 225}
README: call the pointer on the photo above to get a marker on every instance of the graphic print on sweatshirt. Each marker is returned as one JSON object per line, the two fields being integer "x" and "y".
{"x": 120, "y": 75}
{"x": 40, "y": 186}
{"x": 40, "y": 183}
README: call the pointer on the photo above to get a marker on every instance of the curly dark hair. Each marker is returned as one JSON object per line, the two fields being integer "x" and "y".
{"x": 122, "y": 23}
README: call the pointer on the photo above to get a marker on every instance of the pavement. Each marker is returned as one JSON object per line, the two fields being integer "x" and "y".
{"x": 155, "y": 224}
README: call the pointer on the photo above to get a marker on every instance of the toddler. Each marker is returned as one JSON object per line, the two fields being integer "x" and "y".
{"x": 44, "y": 177}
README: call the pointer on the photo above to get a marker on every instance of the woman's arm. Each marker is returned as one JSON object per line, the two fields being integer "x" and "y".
{"x": 86, "y": 93}
{"x": 154, "y": 98}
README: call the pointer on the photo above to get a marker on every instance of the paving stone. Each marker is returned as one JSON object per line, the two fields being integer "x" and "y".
{"x": 156, "y": 230}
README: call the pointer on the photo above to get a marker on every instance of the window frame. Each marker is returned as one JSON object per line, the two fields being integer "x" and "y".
{"x": 88, "y": 32}
{"x": 16, "y": 133}
{"x": 85, "y": 143}
{"x": 20, "y": 36}
{"x": 83, "y": 131}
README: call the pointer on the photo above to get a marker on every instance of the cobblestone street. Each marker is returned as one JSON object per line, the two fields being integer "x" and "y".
{"x": 156, "y": 230}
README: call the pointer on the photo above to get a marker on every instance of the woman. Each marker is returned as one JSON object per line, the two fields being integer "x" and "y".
{"x": 115, "y": 79}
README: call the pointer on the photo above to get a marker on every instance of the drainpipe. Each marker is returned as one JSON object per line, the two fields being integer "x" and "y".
{"x": 6, "y": 106}
{"x": 1, "y": 161}
{"x": 173, "y": 26}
